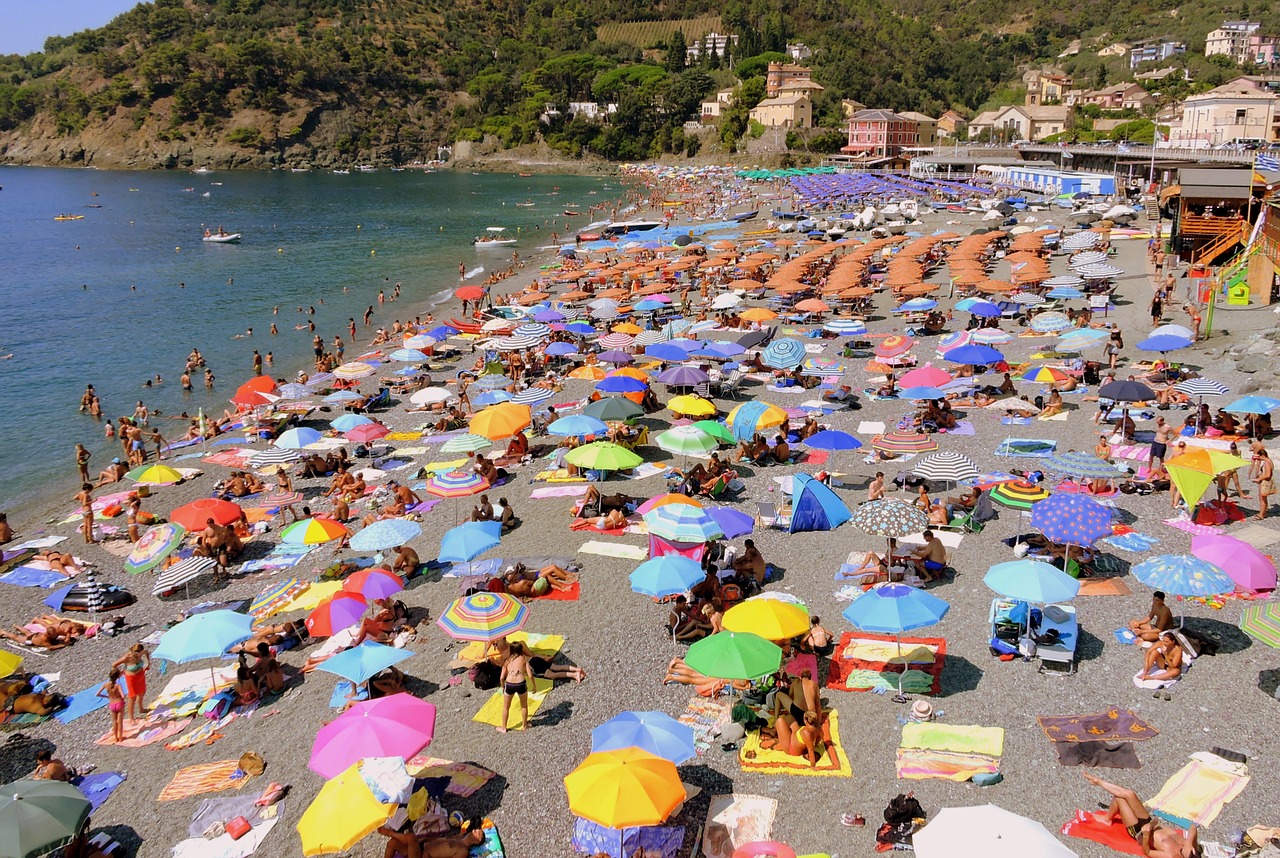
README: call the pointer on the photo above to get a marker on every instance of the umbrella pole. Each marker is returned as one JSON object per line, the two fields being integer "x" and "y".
{"x": 900, "y": 697}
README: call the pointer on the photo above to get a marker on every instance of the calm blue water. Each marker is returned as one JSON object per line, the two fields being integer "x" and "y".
{"x": 308, "y": 237}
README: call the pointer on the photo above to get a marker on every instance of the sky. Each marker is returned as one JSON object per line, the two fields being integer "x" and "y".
{"x": 27, "y": 23}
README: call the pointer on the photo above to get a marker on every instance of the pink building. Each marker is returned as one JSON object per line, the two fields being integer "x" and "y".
{"x": 880, "y": 133}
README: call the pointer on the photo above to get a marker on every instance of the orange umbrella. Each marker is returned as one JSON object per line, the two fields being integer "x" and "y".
{"x": 813, "y": 305}
{"x": 758, "y": 314}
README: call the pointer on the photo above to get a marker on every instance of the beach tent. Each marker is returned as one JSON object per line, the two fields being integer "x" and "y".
{"x": 814, "y": 506}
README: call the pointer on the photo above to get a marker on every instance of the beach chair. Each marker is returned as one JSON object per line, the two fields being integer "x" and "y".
{"x": 1059, "y": 657}
{"x": 768, "y": 515}
{"x": 729, "y": 389}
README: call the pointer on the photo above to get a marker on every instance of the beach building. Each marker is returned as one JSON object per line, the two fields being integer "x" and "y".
{"x": 1020, "y": 122}
{"x": 1213, "y": 210}
{"x": 1245, "y": 108}
{"x": 711, "y": 110}
{"x": 1154, "y": 51}
{"x": 1054, "y": 182}
{"x": 880, "y": 133}
{"x": 950, "y": 124}
{"x": 784, "y": 111}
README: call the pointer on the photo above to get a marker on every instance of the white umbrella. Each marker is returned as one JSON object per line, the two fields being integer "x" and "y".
{"x": 431, "y": 395}
{"x": 989, "y": 831}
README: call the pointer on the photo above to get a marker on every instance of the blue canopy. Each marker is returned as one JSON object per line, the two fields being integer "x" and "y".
{"x": 814, "y": 506}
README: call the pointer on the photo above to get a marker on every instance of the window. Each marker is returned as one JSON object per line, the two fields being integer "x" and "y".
{"x": 1241, "y": 114}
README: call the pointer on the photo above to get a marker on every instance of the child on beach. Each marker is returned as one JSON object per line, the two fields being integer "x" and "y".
{"x": 115, "y": 703}
{"x": 135, "y": 664}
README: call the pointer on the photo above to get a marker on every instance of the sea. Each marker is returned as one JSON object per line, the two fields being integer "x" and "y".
{"x": 126, "y": 293}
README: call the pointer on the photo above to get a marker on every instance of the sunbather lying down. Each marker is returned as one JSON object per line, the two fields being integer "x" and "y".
{"x": 1155, "y": 841}
{"x": 869, "y": 569}
{"x": 678, "y": 671}
{"x": 47, "y": 632}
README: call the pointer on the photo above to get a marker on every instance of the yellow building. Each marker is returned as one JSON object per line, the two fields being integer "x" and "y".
{"x": 785, "y": 111}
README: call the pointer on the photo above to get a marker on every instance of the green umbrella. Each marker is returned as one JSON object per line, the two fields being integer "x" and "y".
{"x": 687, "y": 441}
{"x": 603, "y": 456}
{"x": 716, "y": 430}
{"x": 613, "y": 408}
{"x": 37, "y": 817}
{"x": 467, "y": 443}
{"x": 734, "y": 655}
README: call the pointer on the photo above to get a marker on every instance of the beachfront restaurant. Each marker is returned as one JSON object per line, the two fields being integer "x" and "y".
{"x": 1056, "y": 182}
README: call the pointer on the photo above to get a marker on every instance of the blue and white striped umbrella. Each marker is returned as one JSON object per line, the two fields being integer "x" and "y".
{"x": 340, "y": 396}
{"x": 467, "y": 443}
{"x": 1050, "y": 323}
{"x": 1065, "y": 281}
{"x": 492, "y": 382}
{"x": 680, "y": 522}
{"x": 533, "y": 396}
{"x": 1088, "y": 257}
{"x": 785, "y": 353}
{"x": 1183, "y": 575}
{"x": 1081, "y": 464}
{"x": 294, "y": 391}
{"x": 516, "y": 343}
{"x": 649, "y": 338}
{"x": 1202, "y": 387}
{"x": 1100, "y": 271}
{"x": 845, "y": 327}
{"x": 916, "y": 305}
{"x": 991, "y": 337}
{"x": 532, "y": 329}
{"x": 408, "y": 355}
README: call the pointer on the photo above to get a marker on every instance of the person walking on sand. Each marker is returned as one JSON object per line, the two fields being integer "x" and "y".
{"x": 82, "y": 462}
{"x": 517, "y": 676}
{"x": 115, "y": 703}
{"x": 1264, "y": 477}
{"x": 134, "y": 665}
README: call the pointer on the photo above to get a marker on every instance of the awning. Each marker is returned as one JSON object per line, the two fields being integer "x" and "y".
{"x": 1208, "y": 184}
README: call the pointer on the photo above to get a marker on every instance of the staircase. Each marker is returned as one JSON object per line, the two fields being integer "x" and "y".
{"x": 1237, "y": 271}
{"x": 1153, "y": 209}
{"x": 1226, "y": 239}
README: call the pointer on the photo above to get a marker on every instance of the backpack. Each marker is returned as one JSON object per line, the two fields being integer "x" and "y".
{"x": 903, "y": 809}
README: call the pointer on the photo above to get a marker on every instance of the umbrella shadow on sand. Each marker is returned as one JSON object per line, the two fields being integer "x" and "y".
{"x": 959, "y": 674}
{"x": 1228, "y": 637}
{"x": 552, "y": 716}
{"x": 130, "y": 842}
{"x": 1088, "y": 646}
{"x": 1269, "y": 682}
{"x": 485, "y": 801}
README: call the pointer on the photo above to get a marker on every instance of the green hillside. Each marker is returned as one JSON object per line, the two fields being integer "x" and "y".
{"x": 255, "y": 83}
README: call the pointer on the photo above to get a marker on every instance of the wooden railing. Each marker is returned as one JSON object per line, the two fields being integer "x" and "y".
{"x": 1220, "y": 245}
{"x": 1190, "y": 224}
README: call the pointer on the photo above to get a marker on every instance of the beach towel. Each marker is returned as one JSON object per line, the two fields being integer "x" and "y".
{"x": 30, "y": 576}
{"x": 402, "y": 436}
{"x": 1199, "y": 791}
{"x": 872, "y": 654}
{"x": 1027, "y": 448}
{"x": 492, "y": 845}
{"x": 202, "y": 778}
{"x": 465, "y": 779}
{"x": 962, "y": 738}
{"x": 593, "y": 524}
{"x": 911, "y": 681}
{"x": 476, "y": 568}
{"x": 442, "y": 467}
{"x": 706, "y": 718}
{"x": 341, "y": 693}
{"x": 658, "y": 841}
{"x": 546, "y": 646}
{"x": 1132, "y": 542}
{"x": 281, "y": 556}
{"x": 870, "y": 427}
{"x": 1015, "y": 421}
{"x": 1112, "y": 725}
{"x": 557, "y": 476}
{"x": 206, "y": 732}
{"x": 962, "y": 427}
{"x": 573, "y": 594}
{"x": 82, "y": 703}
{"x": 773, "y": 761}
{"x": 736, "y": 820}
{"x": 1186, "y": 525}
{"x": 614, "y": 549}
{"x": 1086, "y": 826}
{"x": 1257, "y": 535}
{"x": 1104, "y": 587}
{"x": 1109, "y": 755}
{"x": 491, "y": 712}
{"x": 556, "y": 492}
{"x": 924, "y": 763}
{"x": 224, "y": 846}
{"x": 1157, "y": 684}
{"x": 142, "y": 733}
{"x": 802, "y": 661}
{"x": 98, "y": 786}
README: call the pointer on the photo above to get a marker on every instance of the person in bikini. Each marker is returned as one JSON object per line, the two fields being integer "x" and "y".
{"x": 797, "y": 739}
{"x": 1156, "y": 842}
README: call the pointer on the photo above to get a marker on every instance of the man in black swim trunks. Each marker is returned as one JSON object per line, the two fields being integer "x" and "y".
{"x": 1156, "y": 842}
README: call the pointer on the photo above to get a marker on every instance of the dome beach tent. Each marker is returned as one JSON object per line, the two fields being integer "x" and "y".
{"x": 814, "y": 506}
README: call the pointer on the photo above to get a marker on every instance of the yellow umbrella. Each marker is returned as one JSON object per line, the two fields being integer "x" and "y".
{"x": 501, "y": 421}
{"x": 1194, "y": 471}
{"x": 311, "y": 598}
{"x": 771, "y": 619}
{"x": 692, "y": 405}
{"x": 344, "y": 813}
{"x": 155, "y": 475}
{"x": 758, "y": 314}
{"x": 9, "y": 662}
{"x": 624, "y": 788}
{"x": 771, "y": 416}
{"x": 627, "y": 328}
{"x": 589, "y": 372}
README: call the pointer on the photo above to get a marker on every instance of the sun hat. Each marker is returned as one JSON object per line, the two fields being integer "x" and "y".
{"x": 922, "y": 710}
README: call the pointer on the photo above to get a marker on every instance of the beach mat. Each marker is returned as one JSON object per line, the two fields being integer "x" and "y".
{"x": 29, "y": 576}
{"x": 204, "y": 733}
{"x": 832, "y": 763}
{"x": 1104, "y": 587}
{"x": 862, "y": 651}
{"x": 98, "y": 787}
{"x": 1086, "y": 826}
{"x": 573, "y": 594}
{"x": 1198, "y": 792}
{"x": 652, "y": 841}
{"x": 544, "y": 492}
{"x": 491, "y": 712}
{"x": 925, "y": 763}
{"x": 1112, "y": 725}
{"x": 1028, "y": 448}
{"x": 1257, "y": 535}
{"x": 143, "y": 733}
{"x": 706, "y": 718}
{"x": 736, "y": 820}
{"x": 1107, "y": 755}
{"x": 959, "y": 738}
{"x": 82, "y": 703}
{"x": 614, "y": 549}
{"x": 465, "y": 779}
{"x": 1137, "y": 542}
{"x": 203, "y": 778}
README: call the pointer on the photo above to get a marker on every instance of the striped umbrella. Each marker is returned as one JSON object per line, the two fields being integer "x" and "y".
{"x": 845, "y": 327}
{"x": 785, "y": 353}
{"x": 1081, "y": 240}
{"x": 1063, "y": 281}
{"x": 533, "y": 396}
{"x": 1043, "y": 375}
{"x": 419, "y": 341}
{"x": 312, "y": 531}
{"x": 355, "y": 369}
{"x": 950, "y": 466}
{"x": 991, "y": 337}
{"x": 1261, "y": 620}
{"x": 682, "y": 523}
{"x": 616, "y": 341}
{"x": 492, "y": 382}
{"x": 1024, "y": 298}
{"x": 155, "y": 475}
{"x": 515, "y": 343}
{"x": 408, "y": 355}
{"x": 649, "y": 338}
{"x": 386, "y": 533}
{"x": 1082, "y": 465}
{"x": 821, "y": 367}
{"x": 605, "y": 313}
{"x": 532, "y": 329}
{"x": 483, "y": 617}
{"x": 687, "y": 441}
{"x": 182, "y": 573}
{"x": 95, "y": 599}
{"x": 1183, "y": 575}
{"x": 904, "y": 442}
{"x": 1047, "y": 323}
{"x": 1202, "y": 387}
{"x": 274, "y": 456}
{"x": 894, "y": 345}
{"x": 277, "y": 595}
{"x": 1089, "y": 257}
{"x": 154, "y": 546}
{"x": 954, "y": 340}
{"x": 467, "y": 443}
{"x": 456, "y": 484}
{"x": 1097, "y": 272}
{"x": 1018, "y": 494}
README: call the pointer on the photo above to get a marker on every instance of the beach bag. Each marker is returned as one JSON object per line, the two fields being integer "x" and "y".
{"x": 252, "y": 764}
{"x": 238, "y": 827}
{"x": 218, "y": 705}
{"x": 903, "y": 809}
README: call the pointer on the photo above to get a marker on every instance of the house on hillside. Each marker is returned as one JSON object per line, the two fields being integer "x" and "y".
{"x": 1022, "y": 122}
{"x": 779, "y": 75}
{"x": 950, "y": 124}
{"x": 880, "y": 134}
{"x": 711, "y": 42}
{"x": 1154, "y": 50}
{"x": 926, "y": 128}
{"x": 1044, "y": 87}
{"x": 799, "y": 52}
{"x": 1118, "y": 96}
{"x": 1247, "y": 107}
{"x": 850, "y": 106}
{"x": 1158, "y": 74}
{"x": 784, "y": 111}
{"x": 712, "y": 110}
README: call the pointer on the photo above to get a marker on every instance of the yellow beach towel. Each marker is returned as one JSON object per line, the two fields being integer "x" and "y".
{"x": 443, "y": 467}
{"x": 491, "y": 712}
{"x": 966, "y": 739}
{"x": 544, "y": 645}
{"x": 832, "y": 764}
{"x": 887, "y": 652}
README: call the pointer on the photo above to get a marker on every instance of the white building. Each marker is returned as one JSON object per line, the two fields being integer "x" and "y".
{"x": 1155, "y": 50}
{"x": 1247, "y": 107}
{"x": 711, "y": 41}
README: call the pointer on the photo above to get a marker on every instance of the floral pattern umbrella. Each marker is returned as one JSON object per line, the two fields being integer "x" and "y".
{"x": 889, "y": 517}
{"x": 1183, "y": 575}
{"x": 1071, "y": 519}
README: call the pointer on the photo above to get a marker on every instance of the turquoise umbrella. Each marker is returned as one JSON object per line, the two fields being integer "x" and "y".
{"x": 1183, "y": 575}
{"x": 360, "y": 663}
{"x": 1032, "y": 581}
{"x": 666, "y": 575}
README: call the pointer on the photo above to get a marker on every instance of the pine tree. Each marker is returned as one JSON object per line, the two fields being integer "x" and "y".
{"x": 676, "y": 50}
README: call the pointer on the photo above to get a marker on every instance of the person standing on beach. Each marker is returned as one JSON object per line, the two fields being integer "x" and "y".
{"x": 1264, "y": 474}
{"x": 516, "y": 678}
{"x": 85, "y": 497}
{"x": 82, "y": 462}
{"x": 208, "y": 379}
{"x": 351, "y": 328}
{"x": 1157, "y": 308}
{"x": 115, "y": 703}
{"x": 135, "y": 664}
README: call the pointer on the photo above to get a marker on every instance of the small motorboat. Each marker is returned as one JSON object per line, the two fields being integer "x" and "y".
{"x": 68, "y": 217}
{"x": 744, "y": 216}
{"x": 527, "y": 204}
{"x": 495, "y": 236}
{"x": 223, "y": 238}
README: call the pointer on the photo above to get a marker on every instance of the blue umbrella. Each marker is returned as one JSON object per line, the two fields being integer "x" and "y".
{"x": 733, "y": 522}
{"x": 894, "y": 609}
{"x": 916, "y": 305}
{"x": 1183, "y": 575}
{"x": 648, "y": 306}
{"x": 833, "y": 440}
{"x": 408, "y": 371}
{"x": 669, "y": 352}
{"x": 340, "y": 396}
{"x": 578, "y": 425}
{"x": 360, "y": 663}
{"x": 548, "y": 316}
{"x": 666, "y": 575}
{"x": 1164, "y": 343}
{"x": 984, "y": 310}
{"x": 492, "y": 382}
{"x": 975, "y": 355}
{"x": 615, "y": 356}
{"x": 207, "y": 635}
{"x": 491, "y": 397}
{"x": 466, "y": 542}
{"x": 655, "y": 732}
{"x": 621, "y": 384}
{"x": 1071, "y": 519}
{"x": 1064, "y": 292}
{"x": 922, "y": 392}
{"x": 408, "y": 355}
{"x": 561, "y": 349}
{"x": 296, "y": 439}
{"x": 1253, "y": 405}
{"x": 579, "y": 328}
{"x": 785, "y": 353}
{"x": 443, "y": 332}
{"x": 720, "y": 349}
{"x": 683, "y": 376}
{"x": 386, "y": 533}
{"x": 845, "y": 327}
{"x": 1032, "y": 581}
{"x": 1082, "y": 464}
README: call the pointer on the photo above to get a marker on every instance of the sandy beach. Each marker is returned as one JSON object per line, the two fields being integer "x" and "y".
{"x": 617, "y": 637}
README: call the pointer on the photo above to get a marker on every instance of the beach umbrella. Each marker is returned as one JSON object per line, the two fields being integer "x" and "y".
{"x": 750, "y": 417}
{"x": 783, "y": 353}
{"x": 953, "y": 340}
{"x": 193, "y": 516}
{"x": 466, "y": 443}
{"x": 155, "y": 475}
{"x": 253, "y": 398}
{"x": 11, "y": 661}
{"x": 399, "y": 725}
{"x": 1126, "y": 391}
{"x": 354, "y": 369}
{"x": 679, "y": 522}
{"x": 469, "y": 293}
{"x": 1018, "y": 494}
{"x": 1066, "y": 293}
{"x": 682, "y": 376}
{"x": 615, "y": 341}
{"x": 665, "y": 352}
{"x": 491, "y": 397}
{"x": 274, "y": 456}
{"x": 624, "y": 788}
{"x": 1164, "y": 343}
{"x": 1050, "y": 323}
{"x": 615, "y": 356}
{"x": 894, "y": 345}
{"x": 297, "y": 438}
{"x": 373, "y": 583}
{"x": 975, "y": 355}
{"x": 536, "y": 330}
{"x": 341, "y": 397}
{"x": 1194, "y": 471}
{"x": 1244, "y": 564}
{"x": 342, "y": 610}
{"x": 469, "y": 540}
{"x": 925, "y": 376}
{"x": 456, "y": 484}
{"x": 948, "y": 466}
{"x": 603, "y": 456}
{"x": 533, "y": 396}
{"x": 276, "y": 596}
{"x": 733, "y": 522}
{"x": 904, "y": 442}
{"x": 725, "y": 301}
{"x": 1071, "y": 519}
{"x": 890, "y": 518}
{"x": 407, "y": 355}
{"x": 1043, "y": 375}
{"x": 1183, "y": 575}
{"x": 832, "y": 440}
{"x": 431, "y": 396}
{"x": 691, "y": 405}
{"x": 313, "y": 531}
{"x": 360, "y": 663}
{"x": 771, "y": 619}
{"x": 620, "y": 384}
{"x": 1262, "y": 621}
{"x": 989, "y": 831}
{"x": 655, "y": 732}
{"x": 483, "y": 617}
{"x": 984, "y": 310}
{"x": 344, "y": 812}
{"x": 367, "y": 432}
{"x": 418, "y": 342}
{"x": 38, "y": 816}
{"x": 841, "y": 327}
{"x": 155, "y": 545}
{"x": 1201, "y": 387}
{"x": 917, "y": 393}
{"x": 669, "y": 498}
{"x": 916, "y": 305}
{"x": 1253, "y": 405}
{"x": 715, "y": 429}
{"x": 686, "y": 441}
{"x": 559, "y": 349}
{"x": 613, "y": 408}
{"x": 734, "y": 655}
{"x": 182, "y": 573}
{"x": 206, "y": 635}
{"x": 347, "y": 422}
{"x": 578, "y": 426}
{"x": 894, "y": 609}
{"x": 668, "y": 575}
{"x": 1032, "y": 581}
{"x": 1082, "y": 465}
{"x": 501, "y": 421}
{"x": 492, "y": 381}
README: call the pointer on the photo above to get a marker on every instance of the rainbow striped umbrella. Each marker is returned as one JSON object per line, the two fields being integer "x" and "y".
{"x": 154, "y": 546}
{"x": 904, "y": 442}
{"x": 155, "y": 475}
{"x": 1018, "y": 494}
{"x": 467, "y": 443}
{"x": 456, "y": 484}
{"x": 312, "y": 531}
{"x": 1262, "y": 621}
{"x": 682, "y": 523}
{"x": 483, "y": 617}
{"x": 1044, "y": 375}
{"x": 265, "y": 603}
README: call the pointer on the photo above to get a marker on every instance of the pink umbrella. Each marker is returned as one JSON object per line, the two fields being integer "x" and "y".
{"x": 340, "y": 611}
{"x": 925, "y": 376}
{"x": 366, "y": 432}
{"x": 397, "y": 726}
{"x": 373, "y": 583}
{"x": 1243, "y": 563}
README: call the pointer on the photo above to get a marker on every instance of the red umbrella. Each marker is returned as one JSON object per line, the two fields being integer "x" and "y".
{"x": 252, "y": 398}
{"x": 469, "y": 293}
{"x": 366, "y": 432}
{"x": 195, "y": 515}
{"x": 259, "y": 383}
{"x": 341, "y": 610}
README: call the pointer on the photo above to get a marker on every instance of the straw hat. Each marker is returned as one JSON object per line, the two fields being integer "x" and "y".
{"x": 922, "y": 710}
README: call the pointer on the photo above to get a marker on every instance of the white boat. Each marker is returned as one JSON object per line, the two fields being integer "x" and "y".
{"x": 366, "y": 168}
{"x": 202, "y": 170}
{"x": 495, "y": 236}
{"x": 300, "y": 169}
{"x": 342, "y": 172}
{"x": 223, "y": 238}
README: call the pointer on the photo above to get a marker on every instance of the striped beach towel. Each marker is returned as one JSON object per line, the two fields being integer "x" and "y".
{"x": 922, "y": 763}
{"x": 203, "y": 778}
{"x": 1198, "y": 793}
